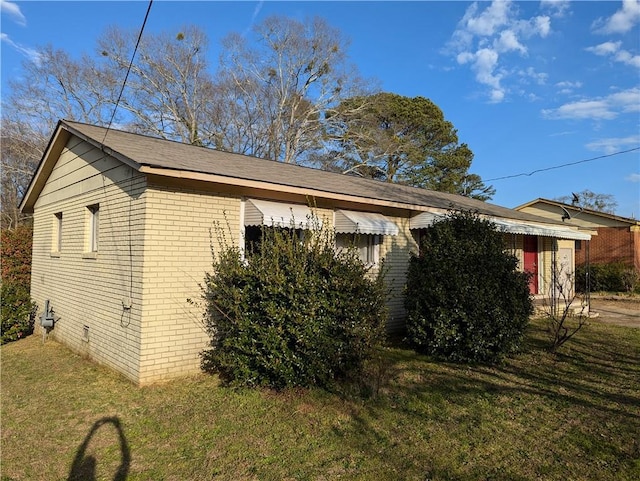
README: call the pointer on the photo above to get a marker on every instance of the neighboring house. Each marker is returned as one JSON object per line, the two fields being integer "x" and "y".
{"x": 614, "y": 238}
{"x": 122, "y": 236}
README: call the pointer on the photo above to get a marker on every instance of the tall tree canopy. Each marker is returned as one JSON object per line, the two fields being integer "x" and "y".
{"x": 591, "y": 200}
{"x": 277, "y": 89}
{"x": 169, "y": 90}
{"x": 287, "y": 93}
{"x": 400, "y": 139}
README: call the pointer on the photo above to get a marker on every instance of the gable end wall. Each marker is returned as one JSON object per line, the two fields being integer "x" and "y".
{"x": 88, "y": 289}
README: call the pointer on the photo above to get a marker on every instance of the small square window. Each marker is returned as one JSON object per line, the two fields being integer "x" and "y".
{"x": 578, "y": 245}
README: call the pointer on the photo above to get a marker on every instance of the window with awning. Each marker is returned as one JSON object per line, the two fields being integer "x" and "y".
{"x": 279, "y": 214}
{"x": 348, "y": 221}
{"x": 363, "y": 231}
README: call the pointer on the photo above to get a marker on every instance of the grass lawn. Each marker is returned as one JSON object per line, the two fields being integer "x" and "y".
{"x": 572, "y": 415}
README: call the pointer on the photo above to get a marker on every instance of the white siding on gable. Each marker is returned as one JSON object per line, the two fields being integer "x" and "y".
{"x": 90, "y": 291}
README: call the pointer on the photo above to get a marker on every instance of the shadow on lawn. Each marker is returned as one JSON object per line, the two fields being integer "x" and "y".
{"x": 588, "y": 379}
{"x": 84, "y": 466}
{"x": 586, "y": 375}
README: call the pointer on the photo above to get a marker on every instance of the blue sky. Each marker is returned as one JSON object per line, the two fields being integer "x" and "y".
{"x": 528, "y": 85}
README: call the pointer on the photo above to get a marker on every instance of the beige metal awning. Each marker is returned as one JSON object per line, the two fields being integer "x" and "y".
{"x": 364, "y": 223}
{"x": 520, "y": 227}
{"x": 511, "y": 226}
{"x": 280, "y": 214}
{"x": 424, "y": 220}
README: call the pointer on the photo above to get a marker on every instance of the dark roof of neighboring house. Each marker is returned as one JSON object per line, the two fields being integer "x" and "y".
{"x": 576, "y": 208}
{"x": 143, "y": 152}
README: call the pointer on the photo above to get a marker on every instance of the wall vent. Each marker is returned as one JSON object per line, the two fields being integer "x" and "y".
{"x": 85, "y": 333}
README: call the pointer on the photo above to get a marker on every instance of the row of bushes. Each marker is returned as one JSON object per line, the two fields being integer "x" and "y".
{"x": 17, "y": 311}
{"x": 609, "y": 277}
{"x": 297, "y": 313}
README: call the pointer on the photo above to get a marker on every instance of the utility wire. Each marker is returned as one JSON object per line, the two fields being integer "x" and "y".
{"x": 113, "y": 114}
{"x": 528, "y": 174}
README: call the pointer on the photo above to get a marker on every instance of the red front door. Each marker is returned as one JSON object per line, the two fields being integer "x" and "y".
{"x": 531, "y": 261}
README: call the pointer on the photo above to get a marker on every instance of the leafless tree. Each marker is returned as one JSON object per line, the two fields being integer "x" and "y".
{"x": 269, "y": 99}
{"x": 566, "y": 311}
{"x": 53, "y": 86}
{"x": 21, "y": 149}
{"x": 588, "y": 199}
{"x": 281, "y": 86}
{"x": 169, "y": 90}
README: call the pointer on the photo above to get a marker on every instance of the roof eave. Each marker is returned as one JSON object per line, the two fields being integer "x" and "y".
{"x": 270, "y": 186}
{"x": 59, "y": 139}
{"x": 56, "y": 143}
{"x": 574, "y": 208}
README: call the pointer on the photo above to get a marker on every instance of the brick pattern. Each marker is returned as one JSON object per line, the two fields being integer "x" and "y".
{"x": 180, "y": 231}
{"x": 155, "y": 246}
{"x": 612, "y": 244}
{"x": 88, "y": 290}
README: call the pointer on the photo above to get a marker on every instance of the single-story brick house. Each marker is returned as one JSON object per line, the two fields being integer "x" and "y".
{"x": 614, "y": 238}
{"x": 122, "y": 227}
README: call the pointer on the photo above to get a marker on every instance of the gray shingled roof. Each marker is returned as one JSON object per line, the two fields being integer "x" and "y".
{"x": 165, "y": 154}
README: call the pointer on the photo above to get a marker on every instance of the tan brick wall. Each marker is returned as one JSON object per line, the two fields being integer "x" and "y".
{"x": 89, "y": 289}
{"x": 177, "y": 250}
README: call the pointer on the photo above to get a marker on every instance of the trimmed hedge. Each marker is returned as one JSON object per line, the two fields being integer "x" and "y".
{"x": 294, "y": 313}
{"x": 465, "y": 299}
{"x": 17, "y": 312}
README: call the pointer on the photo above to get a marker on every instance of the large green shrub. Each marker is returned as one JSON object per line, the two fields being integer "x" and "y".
{"x": 608, "y": 277}
{"x": 17, "y": 312}
{"x": 294, "y": 313}
{"x": 465, "y": 299}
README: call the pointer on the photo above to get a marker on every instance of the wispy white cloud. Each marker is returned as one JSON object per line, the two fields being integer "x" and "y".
{"x": 606, "y": 48}
{"x": 487, "y": 22}
{"x": 563, "y": 133}
{"x": 558, "y": 8}
{"x": 256, "y": 12}
{"x": 30, "y": 53}
{"x": 539, "y": 78}
{"x": 567, "y": 88}
{"x": 483, "y": 63}
{"x": 614, "y": 50}
{"x": 614, "y": 144}
{"x": 13, "y": 10}
{"x": 599, "y": 108}
{"x": 633, "y": 177}
{"x": 508, "y": 41}
{"x": 486, "y": 35}
{"x": 620, "y": 22}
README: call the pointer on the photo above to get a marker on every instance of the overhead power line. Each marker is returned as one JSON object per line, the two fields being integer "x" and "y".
{"x": 113, "y": 114}
{"x": 528, "y": 174}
